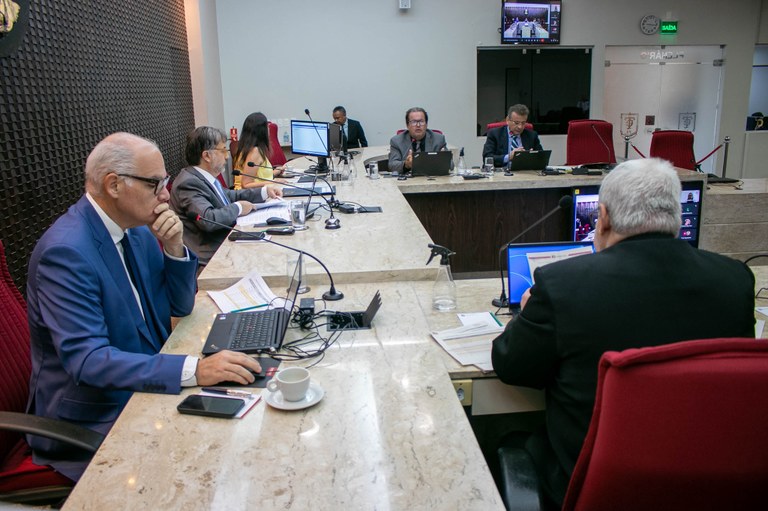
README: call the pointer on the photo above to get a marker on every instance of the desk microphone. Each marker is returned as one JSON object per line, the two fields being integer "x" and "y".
{"x": 599, "y": 136}
{"x": 330, "y": 295}
{"x": 502, "y": 301}
{"x": 331, "y": 223}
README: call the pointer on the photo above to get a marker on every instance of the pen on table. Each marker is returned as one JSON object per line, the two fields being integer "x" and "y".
{"x": 250, "y": 308}
{"x": 495, "y": 319}
{"x": 228, "y": 392}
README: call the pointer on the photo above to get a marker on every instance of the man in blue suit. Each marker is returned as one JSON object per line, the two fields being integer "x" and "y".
{"x": 503, "y": 142}
{"x": 101, "y": 293}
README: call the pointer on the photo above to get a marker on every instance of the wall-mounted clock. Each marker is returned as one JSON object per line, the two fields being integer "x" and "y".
{"x": 649, "y": 24}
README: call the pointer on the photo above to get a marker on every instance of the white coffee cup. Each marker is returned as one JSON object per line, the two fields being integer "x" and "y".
{"x": 293, "y": 382}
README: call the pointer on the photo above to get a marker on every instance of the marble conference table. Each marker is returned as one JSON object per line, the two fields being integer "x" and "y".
{"x": 389, "y": 432}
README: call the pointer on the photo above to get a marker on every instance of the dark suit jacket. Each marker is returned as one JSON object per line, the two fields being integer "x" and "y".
{"x": 191, "y": 193}
{"x": 90, "y": 345}
{"x": 399, "y": 145}
{"x": 497, "y": 143}
{"x": 644, "y": 291}
{"x": 356, "y": 136}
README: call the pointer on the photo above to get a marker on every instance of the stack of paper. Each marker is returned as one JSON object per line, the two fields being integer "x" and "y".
{"x": 475, "y": 352}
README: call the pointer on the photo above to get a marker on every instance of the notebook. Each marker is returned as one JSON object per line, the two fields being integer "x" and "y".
{"x": 530, "y": 160}
{"x": 254, "y": 331}
{"x": 524, "y": 258}
{"x": 431, "y": 164}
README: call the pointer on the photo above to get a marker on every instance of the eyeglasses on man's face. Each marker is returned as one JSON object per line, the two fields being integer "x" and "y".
{"x": 157, "y": 183}
{"x": 516, "y": 123}
{"x": 419, "y": 122}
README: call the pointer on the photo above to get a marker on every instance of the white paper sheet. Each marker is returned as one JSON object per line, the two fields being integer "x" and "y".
{"x": 250, "y": 291}
{"x": 472, "y": 351}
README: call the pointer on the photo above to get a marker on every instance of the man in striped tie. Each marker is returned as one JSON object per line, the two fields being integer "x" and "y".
{"x": 503, "y": 142}
{"x": 197, "y": 190}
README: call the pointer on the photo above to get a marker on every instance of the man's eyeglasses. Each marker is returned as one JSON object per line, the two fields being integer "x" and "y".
{"x": 517, "y": 123}
{"x": 417, "y": 123}
{"x": 222, "y": 149}
{"x": 159, "y": 184}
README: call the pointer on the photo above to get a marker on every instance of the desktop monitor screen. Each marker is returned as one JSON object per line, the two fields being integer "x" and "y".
{"x": 585, "y": 212}
{"x": 309, "y": 138}
{"x": 524, "y": 258}
{"x": 530, "y": 21}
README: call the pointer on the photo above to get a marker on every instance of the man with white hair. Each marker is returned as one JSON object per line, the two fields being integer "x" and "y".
{"x": 643, "y": 287}
{"x": 100, "y": 296}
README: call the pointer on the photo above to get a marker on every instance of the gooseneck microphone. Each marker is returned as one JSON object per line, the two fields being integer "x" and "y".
{"x": 330, "y": 295}
{"x": 322, "y": 161}
{"x": 502, "y": 301}
{"x": 599, "y": 136}
{"x": 331, "y": 223}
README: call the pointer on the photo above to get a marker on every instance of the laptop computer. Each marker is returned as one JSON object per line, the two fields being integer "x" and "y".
{"x": 254, "y": 331}
{"x": 530, "y": 160}
{"x": 320, "y": 189}
{"x": 431, "y": 164}
{"x": 335, "y": 137}
{"x": 524, "y": 258}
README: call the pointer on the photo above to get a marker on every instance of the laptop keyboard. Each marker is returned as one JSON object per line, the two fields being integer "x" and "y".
{"x": 256, "y": 329}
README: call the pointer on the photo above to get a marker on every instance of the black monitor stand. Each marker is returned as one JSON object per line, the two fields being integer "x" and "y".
{"x": 320, "y": 168}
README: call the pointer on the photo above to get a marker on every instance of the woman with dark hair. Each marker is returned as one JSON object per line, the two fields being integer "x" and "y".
{"x": 253, "y": 146}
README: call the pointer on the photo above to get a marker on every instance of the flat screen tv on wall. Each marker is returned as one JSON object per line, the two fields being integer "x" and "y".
{"x": 531, "y": 22}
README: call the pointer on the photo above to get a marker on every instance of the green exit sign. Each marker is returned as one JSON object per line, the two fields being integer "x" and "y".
{"x": 669, "y": 27}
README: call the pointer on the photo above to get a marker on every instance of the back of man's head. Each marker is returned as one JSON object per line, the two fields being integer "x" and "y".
{"x": 642, "y": 196}
{"x": 202, "y": 138}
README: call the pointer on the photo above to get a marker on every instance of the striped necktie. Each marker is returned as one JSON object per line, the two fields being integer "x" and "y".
{"x": 219, "y": 189}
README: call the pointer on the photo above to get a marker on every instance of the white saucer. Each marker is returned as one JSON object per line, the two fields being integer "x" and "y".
{"x": 314, "y": 395}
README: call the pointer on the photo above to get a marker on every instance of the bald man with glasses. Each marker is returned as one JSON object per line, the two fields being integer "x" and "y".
{"x": 100, "y": 295}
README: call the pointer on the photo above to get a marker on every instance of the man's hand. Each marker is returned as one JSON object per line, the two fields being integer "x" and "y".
{"x": 226, "y": 366}
{"x": 274, "y": 192}
{"x": 408, "y": 159}
{"x": 245, "y": 207}
{"x": 168, "y": 229}
{"x": 516, "y": 150}
{"x": 524, "y": 298}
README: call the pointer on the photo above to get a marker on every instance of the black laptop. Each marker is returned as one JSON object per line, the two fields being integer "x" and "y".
{"x": 530, "y": 160}
{"x": 260, "y": 331}
{"x": 431, "y": 164}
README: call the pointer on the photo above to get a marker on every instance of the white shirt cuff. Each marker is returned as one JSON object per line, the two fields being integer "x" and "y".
{"x": 188, "y": 378}
{"x": 239, "y": 208}
{"x": 264, "y": 195}
{"x": 182, "y": 259}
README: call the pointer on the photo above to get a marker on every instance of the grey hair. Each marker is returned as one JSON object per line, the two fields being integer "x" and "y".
{"x": 643, "y": 196}
{"x": 518, "y": 109}
{"x": 116, "y": 153}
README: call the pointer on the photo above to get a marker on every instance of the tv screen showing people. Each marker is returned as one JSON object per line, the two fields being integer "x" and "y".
{"x": 531, "y": 22}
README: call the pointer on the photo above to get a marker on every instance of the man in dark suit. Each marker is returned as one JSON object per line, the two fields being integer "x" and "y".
{"x": 643, "y": 287}
{"x": 197, "y": 190}
{"x": 504, "y": 141}
{"x": 100, "y": 296}
{"x": 352, "y": 134}
{"x": 417, "y": 138}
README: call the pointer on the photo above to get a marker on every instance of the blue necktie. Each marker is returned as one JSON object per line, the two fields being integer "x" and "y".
{"x": 515, "y": 141}
{"x": 219, "y": 189}
{"x": 153, "y": 324}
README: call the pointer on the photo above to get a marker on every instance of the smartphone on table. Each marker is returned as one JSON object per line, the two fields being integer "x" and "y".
{"x": 210, "y": 406}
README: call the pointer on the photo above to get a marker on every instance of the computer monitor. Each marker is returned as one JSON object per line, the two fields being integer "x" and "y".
{"x": 335, "y": 137}
{"x": 524, "y": 258}
{"x": 585, "y": 212}
{"x": 531, "y": 21}
{"x": 311, "y": 139}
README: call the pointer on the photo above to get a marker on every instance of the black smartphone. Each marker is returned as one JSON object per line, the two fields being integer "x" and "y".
{"x": 210, "y": 406}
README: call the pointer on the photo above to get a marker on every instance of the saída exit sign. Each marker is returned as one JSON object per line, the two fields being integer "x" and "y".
{"x": 669, "y": 27}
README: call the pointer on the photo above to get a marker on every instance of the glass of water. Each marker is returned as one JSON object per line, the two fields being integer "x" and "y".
{"x": 488, "y": 167}
{"x": 298, "y": 215}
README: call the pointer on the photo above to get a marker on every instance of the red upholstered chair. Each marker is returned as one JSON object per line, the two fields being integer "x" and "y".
{"x": 675, "y": 146}
{"x": 589, "y": 141}
{"x": 499, "y": 124}
{"x": 276, "y": 155}
{"x": 21, "y": 480}
{"x": 436, "y": 131}
{"x": 678, "y": 426}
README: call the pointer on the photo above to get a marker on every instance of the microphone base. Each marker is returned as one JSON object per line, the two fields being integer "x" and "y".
{"x": 332, "y": 295}
{"x": 332, "y": 223}
{"x": 500, "y": 302}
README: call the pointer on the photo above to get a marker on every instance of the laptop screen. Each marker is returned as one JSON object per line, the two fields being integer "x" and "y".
{"x": 524, "y": 258}
{"x": 585, "y": 212}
